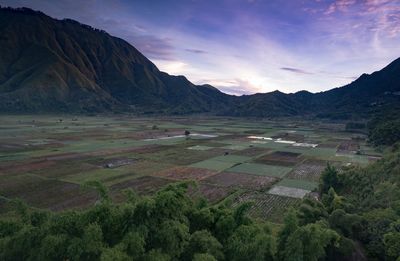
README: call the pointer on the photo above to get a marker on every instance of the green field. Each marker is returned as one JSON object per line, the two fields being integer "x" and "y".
{"x": 261, "y": 169}
{"x": 46, "y": 159}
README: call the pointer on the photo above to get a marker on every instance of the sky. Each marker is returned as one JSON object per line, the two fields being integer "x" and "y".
{"x": 248, "y": 46}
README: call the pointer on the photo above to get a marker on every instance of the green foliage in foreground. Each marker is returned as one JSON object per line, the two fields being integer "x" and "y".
{"x": 384, "y": 129}
{"x": 167, "y": 226}
{"x": 363, "y": 204}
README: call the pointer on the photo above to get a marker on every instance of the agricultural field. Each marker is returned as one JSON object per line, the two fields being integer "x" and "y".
{"x": 47, "y": 160}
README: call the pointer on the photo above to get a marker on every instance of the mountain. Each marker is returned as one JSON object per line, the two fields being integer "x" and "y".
{"x": 62, "y": 65}
{"x": 366, "y": 96}
{"x": 49, "y": 65}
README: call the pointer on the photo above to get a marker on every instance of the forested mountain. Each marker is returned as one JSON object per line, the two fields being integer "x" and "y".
{"x": 52, "y": 65}
{"x": 49, "y": 65}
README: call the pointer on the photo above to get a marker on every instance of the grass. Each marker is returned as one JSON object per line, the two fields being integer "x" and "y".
{"x": 261, "y": 169}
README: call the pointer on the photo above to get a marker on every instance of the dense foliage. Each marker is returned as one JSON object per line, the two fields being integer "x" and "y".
{"x": 166, "y": 226}
{"x": 384, "y": 129}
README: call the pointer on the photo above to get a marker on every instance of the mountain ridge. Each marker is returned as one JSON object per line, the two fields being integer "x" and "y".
{"x": 50, "y": 67}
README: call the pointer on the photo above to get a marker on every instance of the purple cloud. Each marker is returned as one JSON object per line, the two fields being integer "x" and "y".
{"x": 295, "y": 70}
{"x": 196, "y": 51}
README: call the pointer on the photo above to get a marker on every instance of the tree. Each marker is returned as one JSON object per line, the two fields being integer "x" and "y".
{"x": 291, "y": 223}
{"x": 203, "y": 257}
{"x": 309, "y": 242}
{"x": 172, "y": 238}
{"x": 203, "y": 242}
{"x": 250, "y": 242}
{"x": 329, "y": 179}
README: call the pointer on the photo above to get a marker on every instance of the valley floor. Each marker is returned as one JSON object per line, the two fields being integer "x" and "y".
{"x": 45, "y": 160}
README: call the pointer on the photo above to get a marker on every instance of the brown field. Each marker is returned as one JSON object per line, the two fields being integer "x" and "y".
{"x": 26, "y": 167}
{"x": 213, "y": 194}
{"x": 44, "y": 193}
{"x": 141, "y": 185}
{"x": 239, "y": 180}
{"x": 281, "y": 158}
{"x": 185, "y": 173}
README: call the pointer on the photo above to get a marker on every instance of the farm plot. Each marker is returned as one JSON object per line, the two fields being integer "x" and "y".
{"x": 232, "y": 158}
{"x": 185, "y": 173}
{"x": 239, "y": 180}
{"x": 348, "y": 146}
{"x": 282, "y": 158}
{"x": 200, "y": 147}
{"x": 211, "y": 193}
{"x": 213, "y": 165}
{"x": 182, "y": 156}
{"x": 288, "y": 192}
{"x": 261, "y": 169}
{"x": 267, "y": 206}
{"x": 309, "y": 170}
{"x": 141, "y": 185}
{"x": 115, "y": 175}
{"x": 44, "y": 193}
{"x": 252, "y": 152}
{"x": 301, "y": 184}
{"x": 237, "y": 147}
{"x": 289, "y": 136}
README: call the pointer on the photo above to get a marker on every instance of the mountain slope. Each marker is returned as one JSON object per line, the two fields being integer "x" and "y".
{"x": 53, "y": 65}
{"x": 49, "y": 65}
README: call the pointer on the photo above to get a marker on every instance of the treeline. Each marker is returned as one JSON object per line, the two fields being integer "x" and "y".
{"x": 357, "y": 217}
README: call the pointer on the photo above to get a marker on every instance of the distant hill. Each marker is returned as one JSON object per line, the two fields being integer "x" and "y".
{"x": 49, "y": 65}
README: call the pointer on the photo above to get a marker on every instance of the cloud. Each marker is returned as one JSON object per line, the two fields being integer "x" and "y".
{"x": 196, "y": 51}
{"x": 295, "y": 70}
{"x": 339, "y": 5}
{"x": 235, "y": 86}
{"x": 172, "y": 67}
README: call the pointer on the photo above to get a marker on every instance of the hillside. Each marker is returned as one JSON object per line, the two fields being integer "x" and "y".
{"x": 53, "y": 65}
{"x": 63, "y": 66}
